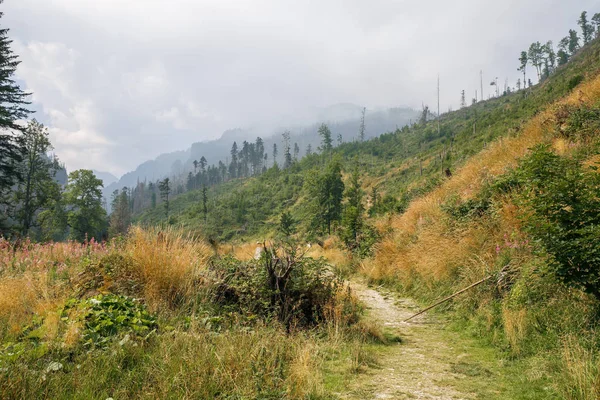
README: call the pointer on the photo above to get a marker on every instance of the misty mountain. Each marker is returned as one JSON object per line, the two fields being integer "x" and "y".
{"x": 107, "y": 177}
{"x": 342, "y": 119}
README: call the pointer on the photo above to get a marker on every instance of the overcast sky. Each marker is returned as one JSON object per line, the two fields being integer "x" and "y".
{"x": 121, "y": 81}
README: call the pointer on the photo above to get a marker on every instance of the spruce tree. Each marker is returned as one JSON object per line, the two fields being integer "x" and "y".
{"x": 13, "y": 103}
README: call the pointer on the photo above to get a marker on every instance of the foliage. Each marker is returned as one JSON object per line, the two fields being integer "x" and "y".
{"x": 39, "y": 187}
{"x": 282, "y": 284}
{"x": 326, "y": 189}
{"x": 106, "y": 316}
{"x": 13, "y": 103}
{"x": 83, "y": 198}
{"x": 120, "y": 219}
{"x": 563, "y": 198}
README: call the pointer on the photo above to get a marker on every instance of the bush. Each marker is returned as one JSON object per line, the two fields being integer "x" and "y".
{"x": 564, "y": 215}
{"x": 280, "y": 285}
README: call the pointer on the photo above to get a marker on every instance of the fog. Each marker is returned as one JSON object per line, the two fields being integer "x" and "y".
{"x": 119, "y": 82}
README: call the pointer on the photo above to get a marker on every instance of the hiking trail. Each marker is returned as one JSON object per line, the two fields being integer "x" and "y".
{"x": 429, "y": 363}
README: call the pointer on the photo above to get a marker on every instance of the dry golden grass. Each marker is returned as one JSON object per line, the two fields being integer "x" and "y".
{"x": 515, "y": 327}
{"x": 168, "y": 262}
{"x": 424, "y": 243}
{"x": 581, "y": 374}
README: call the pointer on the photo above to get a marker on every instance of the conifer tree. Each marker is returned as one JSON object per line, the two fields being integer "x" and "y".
{"x": 587, "y": 29}
{"x": 352, "y": 219}
{"x": 573, "y": 41}
{"x": 326, "y": 141}
{"x": 361, "y": 132}
{"x": 287, "y": 154}
{"x": 596, "y": 21}
{"x": 13, "y": 107}
{"x": 120, "y": 219}
{"x": 524, "y": 60}
{"x": 164, "y": 187}
{"x": 204, "y": 202}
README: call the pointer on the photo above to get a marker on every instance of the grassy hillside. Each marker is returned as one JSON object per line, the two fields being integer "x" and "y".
{"x": 525, "y": 210}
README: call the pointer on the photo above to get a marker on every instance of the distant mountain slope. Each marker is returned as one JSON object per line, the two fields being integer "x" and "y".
{"x": 343, "y": 119}
{"x": 107, "y": 177}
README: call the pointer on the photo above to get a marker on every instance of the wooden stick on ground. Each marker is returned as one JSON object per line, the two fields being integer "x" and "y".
{"x": 449, "y": 297}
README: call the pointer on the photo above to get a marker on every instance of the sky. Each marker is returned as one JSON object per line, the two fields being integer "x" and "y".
{"x": 118, "y": 82}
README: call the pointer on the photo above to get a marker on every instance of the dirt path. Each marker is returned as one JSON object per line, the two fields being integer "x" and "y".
{"x": 426, "y": 365}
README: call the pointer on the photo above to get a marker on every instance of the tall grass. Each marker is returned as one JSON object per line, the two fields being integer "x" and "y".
{"x": 430, "y": 253}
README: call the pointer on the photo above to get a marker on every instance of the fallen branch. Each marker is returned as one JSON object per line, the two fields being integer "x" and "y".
{"x": 450, "y": 297}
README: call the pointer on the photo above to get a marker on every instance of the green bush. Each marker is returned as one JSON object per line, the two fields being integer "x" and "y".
{"x": 280, "y": 285}
{"x": 561, "y": 196}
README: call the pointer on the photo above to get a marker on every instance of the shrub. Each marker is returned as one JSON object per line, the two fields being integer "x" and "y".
{"x": 282, "y": 284}
{"x": 563, "y": 203}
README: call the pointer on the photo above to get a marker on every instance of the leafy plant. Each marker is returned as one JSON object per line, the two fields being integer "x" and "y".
{"x": 564, "y": 216}
{"x": 106, "y": 316}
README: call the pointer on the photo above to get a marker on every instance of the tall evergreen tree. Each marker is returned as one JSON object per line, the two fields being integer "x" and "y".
{"x": 204, "y": 202}
{"x": 524, "y": 60}
{"x": 361, "y": 132}
{"x": 326, "y": 141}
{"x": 535, "y": 57}
{"x": 352, "y": 219}
{"x": 596, "y": 21}
{"x": 563, "y": 51}
{"x": 274, "y": 154}
{"x": 287, "y": 154}
{"x": 120, "y": 219}
{"x": 13, "y": 107}
{"x": 233, "y": 167}
{"x": 573, "y": 41}
{"x": 587, "y": 29}
{"x": 164, "y": 187}
{"x": 326, "y": 190}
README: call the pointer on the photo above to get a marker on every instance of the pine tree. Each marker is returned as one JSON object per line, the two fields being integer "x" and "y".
{"x": 326, "y": 141}
{"x": 361, "y": 132}
{"x": 204, "y": 202}
{"x": 573, "y": 41}
{"x": 120, "y": 219}
{"x": 326, "y": 190}
{"x": 296, "y": 151}
{"x": 308, "y": 150}
{"x": 13, "y": 103}
{"x": 274, "y": 154}
{"x": 535, "y": 57}
{"x": 352, "y": 219}
{"x": 164, "y": 187}
{"x": 596, "y": 21}
{"x": 287, "y": 154}
{"x": 524, "y": 60}
{"x": 233, "y": 167}
{"x": 563, "y": 51}
{"x": 587, "y": 29}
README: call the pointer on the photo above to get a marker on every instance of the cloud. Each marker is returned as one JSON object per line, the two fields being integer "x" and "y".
{"x": 119, "y": 82}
